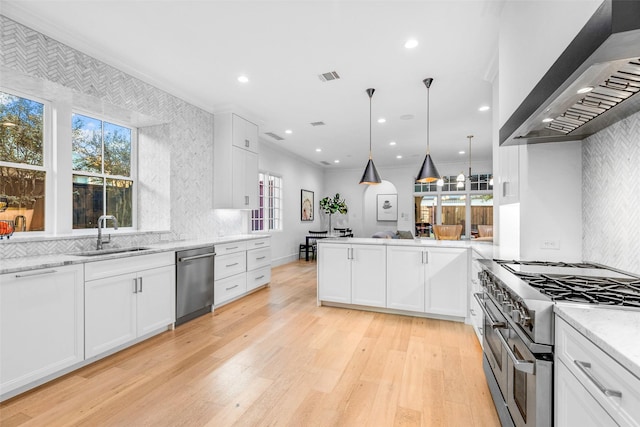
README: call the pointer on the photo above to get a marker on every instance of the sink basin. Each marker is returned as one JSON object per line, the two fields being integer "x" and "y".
{"x": 111, "y": 251}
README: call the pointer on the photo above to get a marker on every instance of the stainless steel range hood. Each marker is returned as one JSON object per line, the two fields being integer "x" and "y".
{"x": 604, "y": 56}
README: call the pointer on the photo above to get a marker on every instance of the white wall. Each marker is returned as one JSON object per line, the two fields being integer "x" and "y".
{"x": 533, "y": 34}
{"x": 297, "y": 174}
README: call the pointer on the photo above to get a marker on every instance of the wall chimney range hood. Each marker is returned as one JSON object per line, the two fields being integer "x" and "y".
{"x": 594, "y": 83}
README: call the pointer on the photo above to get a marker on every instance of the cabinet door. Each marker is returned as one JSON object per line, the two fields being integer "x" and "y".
{"x": 334, "y": 273}
{"x": 244, "y": 180}
{"x": 41, "y": 324}
{"x": 574, "y": 405}
{"x": 229, "y": 288}
{"x": 245, "y": 134}
{"x": 368, "y": 275}
{"x": 405, "y": 278}
{"x": 446, "y": 290}
{"x": 509, "y": 169}
{"x": 156, "y": 299}
{"x": 110, "y": 313}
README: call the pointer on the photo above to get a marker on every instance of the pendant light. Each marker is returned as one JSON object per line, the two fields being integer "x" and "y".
{"x": 370, "y": 175}
{"x": 461, "y": 178}
{"x": 428, "y": 171}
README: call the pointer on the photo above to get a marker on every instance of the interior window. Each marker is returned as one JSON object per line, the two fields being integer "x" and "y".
{"x": 102, "y": 162}
{"x": 22, "y": 164}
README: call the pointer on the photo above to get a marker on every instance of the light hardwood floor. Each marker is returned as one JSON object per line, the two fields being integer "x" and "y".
{"x": 275, "y": 358}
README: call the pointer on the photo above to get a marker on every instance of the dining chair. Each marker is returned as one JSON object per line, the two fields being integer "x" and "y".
{"x": 447, "y": 232}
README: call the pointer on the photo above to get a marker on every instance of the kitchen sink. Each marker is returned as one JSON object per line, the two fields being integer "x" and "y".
{"x": 110, "y": 251}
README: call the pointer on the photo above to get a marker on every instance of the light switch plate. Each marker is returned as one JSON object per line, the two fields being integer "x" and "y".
{"x": 550, "y": 244}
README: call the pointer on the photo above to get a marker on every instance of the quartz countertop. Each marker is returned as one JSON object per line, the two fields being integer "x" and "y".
{"x": 615, "y": 331}
{"x": 483, "y": 247}
{"x": 14, "y": 265}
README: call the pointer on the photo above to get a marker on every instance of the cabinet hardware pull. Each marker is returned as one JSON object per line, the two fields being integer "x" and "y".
{"x": 246, "y": 200}
{"x": 519, "y": 365}
{"x": 260, "y": 277}
{"x": 231, "y": 265}
{"x": 235, "y": 286}
{"x": 140, "y": 284}
{"x": 584, "y": 368}
{"x": 135, "y": 285}
{"x": 235, "y": 247}
{"x": 37, "y": 273}
{"x": 259, "y": 243}
{"x": 262, "y": 257}
{"x": 247, "y": 143}
{"x": 473, "y": 312}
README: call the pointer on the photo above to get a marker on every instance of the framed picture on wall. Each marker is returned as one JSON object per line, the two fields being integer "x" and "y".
{"x": 306, "y": 205}
{"x": 387, "y": 207}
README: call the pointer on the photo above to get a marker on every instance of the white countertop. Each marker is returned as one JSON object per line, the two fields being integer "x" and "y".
{"x": 481, "y": 247}
{"x": 615, "y": 331}
{"x": 13, "y": 265}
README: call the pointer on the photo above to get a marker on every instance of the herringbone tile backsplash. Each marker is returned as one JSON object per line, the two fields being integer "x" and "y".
{"x": 611, "y": 196}
{"x": 176, "y": 156}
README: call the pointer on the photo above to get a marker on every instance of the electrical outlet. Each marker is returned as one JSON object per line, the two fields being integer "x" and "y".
{"x": 550, "y": 244}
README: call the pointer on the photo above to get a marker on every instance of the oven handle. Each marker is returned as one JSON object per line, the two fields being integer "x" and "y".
{"x": 519, "y": 365}
{"x": 494, "y": 323}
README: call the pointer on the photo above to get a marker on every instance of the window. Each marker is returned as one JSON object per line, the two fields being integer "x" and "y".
{"x": 22, "y": 162}
{"x": 268, "y": 216}
{"x": 481, "y": 213}
{"x": 454, "y": 210}
{"x": 103, "y": 183}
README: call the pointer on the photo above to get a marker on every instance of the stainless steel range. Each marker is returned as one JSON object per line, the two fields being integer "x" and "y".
{"x": 517, "y": 301}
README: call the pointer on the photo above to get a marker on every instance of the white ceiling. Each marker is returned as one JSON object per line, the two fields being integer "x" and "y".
{"x": 197, "y": 49}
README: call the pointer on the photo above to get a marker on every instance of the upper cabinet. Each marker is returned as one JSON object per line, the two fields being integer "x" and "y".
{"x": 235, "y": 159}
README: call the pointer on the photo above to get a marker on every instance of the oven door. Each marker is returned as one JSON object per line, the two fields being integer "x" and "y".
{"x": 493, "y": 323}
{"x": 529, "y": 378}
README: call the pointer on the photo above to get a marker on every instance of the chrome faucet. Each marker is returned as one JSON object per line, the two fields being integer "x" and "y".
{"x": 103, "y": 221}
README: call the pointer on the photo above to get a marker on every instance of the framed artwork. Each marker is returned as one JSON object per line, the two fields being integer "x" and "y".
{"x": 387, "y": 207}
{"x": 306, "y": 205}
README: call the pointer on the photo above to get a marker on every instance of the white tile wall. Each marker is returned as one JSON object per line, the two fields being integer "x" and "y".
{"x": 611, "y": 196}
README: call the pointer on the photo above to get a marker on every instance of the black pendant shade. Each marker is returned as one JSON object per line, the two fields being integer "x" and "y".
{"x": 370, "y": 175}
{"x": 428, "y": 171}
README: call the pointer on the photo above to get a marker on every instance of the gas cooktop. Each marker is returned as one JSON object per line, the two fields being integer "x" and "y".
{"x": 578, "y": 282}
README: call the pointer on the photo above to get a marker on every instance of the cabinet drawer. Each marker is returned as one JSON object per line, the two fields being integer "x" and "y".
{"x": 230, "y": 248}
{"x": 259, "y": 277}
{"x": 229, "y": 265}
{"x": 259, "y": 243}
{"x": 591, "y": 365}
{"x": 258, "y": 258}
{"x": 229, "y": 288}
{"x": 131, "y": 264}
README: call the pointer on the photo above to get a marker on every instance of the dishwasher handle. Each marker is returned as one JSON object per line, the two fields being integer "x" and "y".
{"x": 190, "y": 258}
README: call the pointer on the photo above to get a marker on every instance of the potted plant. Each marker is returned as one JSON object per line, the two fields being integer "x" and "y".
{"x": 333, "y": 205}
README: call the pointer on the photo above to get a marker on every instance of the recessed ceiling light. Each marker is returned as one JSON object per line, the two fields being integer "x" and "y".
{"x": 398, "y": 156}
{"x": 586, "y": 89}
{"x": 382, "y": 120}
{"x": 461, "y": 152}
{"x": 547, "y": 120}
{"x": 243, "y": 79}
{"x": 318, "y": 150}
{"x": 484, "y": 108}
{"x": 336, "y": 161}
{"x": 288, "y": 131}
{"x": 392, "y": 143}
{"x": 411, "y": 43}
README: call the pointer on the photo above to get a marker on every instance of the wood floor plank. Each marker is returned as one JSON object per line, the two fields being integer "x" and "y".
{"x": 274, "y": 358}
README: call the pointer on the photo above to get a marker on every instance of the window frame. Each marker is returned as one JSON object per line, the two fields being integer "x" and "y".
{"x": 47, "y": 161}
{"x": 105, "y": 177}
{"x": 263, "y": 198}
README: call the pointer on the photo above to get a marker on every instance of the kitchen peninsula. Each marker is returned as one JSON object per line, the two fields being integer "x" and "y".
{"x": 418, "y": 277}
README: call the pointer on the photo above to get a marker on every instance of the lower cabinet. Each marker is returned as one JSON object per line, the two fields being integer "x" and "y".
{"x": 41, "y": 324}
{"x": 426, "y": 279}
{"x": 352, "y": 274}
{"x": 123, "y": 307}
{"x": 475, "y": 312}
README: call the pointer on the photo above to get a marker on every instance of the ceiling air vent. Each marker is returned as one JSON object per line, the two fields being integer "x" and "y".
{"x": 317, "y": 123}
{"x": 274, "y": 136}
{"x": 325, "y": 163}
{"x": 331, "y": 75}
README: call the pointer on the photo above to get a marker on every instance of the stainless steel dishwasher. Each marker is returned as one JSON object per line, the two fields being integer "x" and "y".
{"x": 194, "y": 283}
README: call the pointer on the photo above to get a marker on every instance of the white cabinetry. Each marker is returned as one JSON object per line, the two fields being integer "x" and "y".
{"x": 126, "y": 299}
{"x": 590, "y": 385}
{"x": 352, "y": 274}
{"x": 41, "y": 324}
{"x": 509, "y": 174}
{"x": 475, "y": 312}
{"x": 235, "y": 157}
{"x": 430, "y": 280}
{"x": 241, "y": 267}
